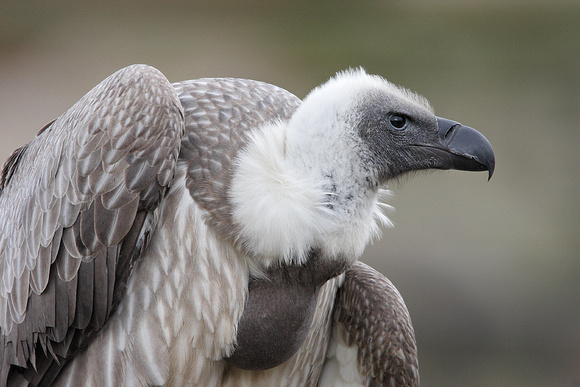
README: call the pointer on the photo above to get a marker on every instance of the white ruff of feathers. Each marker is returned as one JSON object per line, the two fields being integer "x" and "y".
{"x": 300, "y": 185}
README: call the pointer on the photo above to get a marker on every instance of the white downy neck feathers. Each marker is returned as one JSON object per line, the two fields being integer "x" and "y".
{"x": 304, "y": 184}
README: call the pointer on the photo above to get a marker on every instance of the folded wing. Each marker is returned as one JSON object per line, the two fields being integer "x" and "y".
{"x": 76, "y": 208}
{"x": 373, "y": 342}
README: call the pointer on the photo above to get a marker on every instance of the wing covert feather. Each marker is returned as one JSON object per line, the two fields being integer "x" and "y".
{"x": 371, "y": 315}
{"x": 68, "y": 201}
{"x": 220, "y": 114}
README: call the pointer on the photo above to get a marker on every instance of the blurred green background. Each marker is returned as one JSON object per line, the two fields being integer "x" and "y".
{"x": 489, "y": 270}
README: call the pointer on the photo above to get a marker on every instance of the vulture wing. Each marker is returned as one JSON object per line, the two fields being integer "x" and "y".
{"x": 220, "y": 114}
{"x": 76, "y": 207}
{"x": 373, "y": 342}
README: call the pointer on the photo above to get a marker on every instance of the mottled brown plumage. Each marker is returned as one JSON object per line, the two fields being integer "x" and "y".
{"x": 372, "y": 316}
{"x": 220, "y": 113}
{"x": 74, "y": 209}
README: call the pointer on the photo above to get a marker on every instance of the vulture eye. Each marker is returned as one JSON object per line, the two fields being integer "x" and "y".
{"x": 398, "y": 121}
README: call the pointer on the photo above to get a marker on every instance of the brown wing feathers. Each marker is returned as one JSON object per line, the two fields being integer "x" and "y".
{"x": 74, "y": 212}
{"x": 220, "y": 113}
{"x": 373, "y": 316}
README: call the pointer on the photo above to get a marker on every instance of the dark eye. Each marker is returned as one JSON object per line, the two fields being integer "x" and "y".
{"x": 398, "y": 121}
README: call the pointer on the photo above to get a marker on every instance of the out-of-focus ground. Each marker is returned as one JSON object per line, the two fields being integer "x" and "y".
{"x": 489, "y": 270}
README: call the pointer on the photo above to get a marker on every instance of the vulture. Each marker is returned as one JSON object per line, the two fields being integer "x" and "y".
{"x": 207, "y": 233}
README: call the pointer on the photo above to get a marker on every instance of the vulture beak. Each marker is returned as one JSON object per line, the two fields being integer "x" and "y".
{"x": 463, "y": 148}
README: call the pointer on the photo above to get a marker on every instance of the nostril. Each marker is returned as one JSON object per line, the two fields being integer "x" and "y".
{"x": 451, "y": 132}
{"x": 447, "y": 129}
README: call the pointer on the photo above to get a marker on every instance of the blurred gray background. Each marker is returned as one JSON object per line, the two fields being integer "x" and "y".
{"x": 489, "y": 270}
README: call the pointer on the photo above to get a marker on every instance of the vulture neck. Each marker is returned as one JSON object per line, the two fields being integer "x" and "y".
{"x": 293, "y": 191}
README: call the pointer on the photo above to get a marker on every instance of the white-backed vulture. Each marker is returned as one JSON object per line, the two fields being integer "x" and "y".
{"x": 207, "y": 233}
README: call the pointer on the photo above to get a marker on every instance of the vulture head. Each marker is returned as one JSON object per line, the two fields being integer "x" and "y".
{"x": 323, "y": 170}
{"x": 316, "y": 181}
